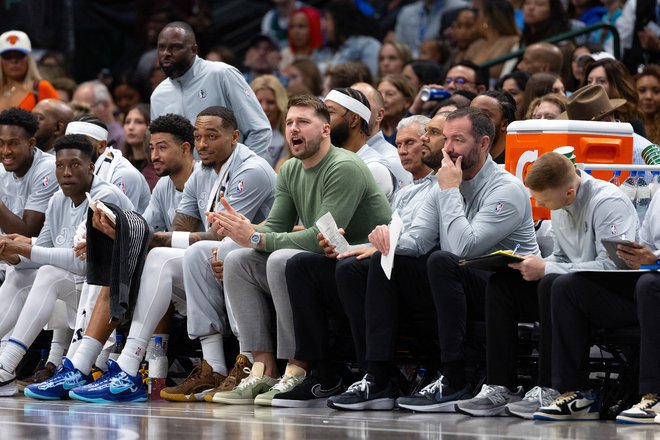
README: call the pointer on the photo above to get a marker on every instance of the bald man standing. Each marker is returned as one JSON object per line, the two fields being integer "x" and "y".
{"x": 542, "y": 57}
{"x": 53, "y": 116}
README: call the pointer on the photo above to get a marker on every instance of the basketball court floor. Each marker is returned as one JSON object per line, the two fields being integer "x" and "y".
{"x": 26, "y": 418}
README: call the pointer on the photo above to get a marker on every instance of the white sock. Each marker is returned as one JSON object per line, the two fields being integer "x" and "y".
{"x": 12, "y": 355}
{"x": 86, "y": 354}
{"x": 101, "y": 361}
{"x": 131, "y": 356}
{"x": 152, "y": 343}
{"x": 59, "y": 344}
{"x": 214, "y": 353}
{"x": 248, "y": 354}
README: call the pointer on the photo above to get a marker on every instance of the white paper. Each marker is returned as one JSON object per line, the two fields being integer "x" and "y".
{"x": 387, "y": 261}
{"x": 328, "y": 227}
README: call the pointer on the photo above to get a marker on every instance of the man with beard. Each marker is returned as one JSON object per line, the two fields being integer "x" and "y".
{"x": 320, "y": 179}
{"x": 475, "y": 208}
{"x": 194, "y": 84}
{"x": 349, "y": 129}
{"x": 501, "y": 108}
{"x": 311, "y": 277}
{"x": 53, "y": 116}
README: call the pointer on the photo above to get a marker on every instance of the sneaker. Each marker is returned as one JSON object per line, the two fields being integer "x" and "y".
{"x": 491, "y": 401}
{"x": 573, "y": 405}
{"x": 254, "y": 384}
{"x": 292, "y": 377}
{"x": 365, "y": 394}
{"x": 7, "y": 383}
{"x": 235, "y": 376}
{"x": 310, "y": 393}
{"x": 435, "y": 397}
{"x": 641, "y": 413}
{"x": 201, "y": 381}
{"x": 57, "y": 387}
{"x": 533, "y": 400}
{"x": 40, "y": 375}
{"x": 114, "y": 386}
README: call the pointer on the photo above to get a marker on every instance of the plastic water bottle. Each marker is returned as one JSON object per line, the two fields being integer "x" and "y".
{"x": 418, "y": 383}
{"x": 655, "y": 182}
{"x": 629, "y": 187}
{"x": 616, "y": 178}
{"x": 117, "y": 348}
{"x": 157, "y": 370}
{"x": 643, "y": 196}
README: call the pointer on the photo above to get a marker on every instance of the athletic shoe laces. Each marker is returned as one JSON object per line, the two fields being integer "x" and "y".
{"x": 494, "y": 394}
{"x": 249, "y": 381}
{"x": 540, "y": 395}
{"x": 565, "y": 398}
{"x": 285, "y": 383}
{"x": 360, "y": 386}
{"x": 648, "y": 400}
{"x": 433, "y": 387}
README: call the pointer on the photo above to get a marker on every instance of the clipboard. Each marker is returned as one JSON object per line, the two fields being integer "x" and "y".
{"x": 496, "y": 260}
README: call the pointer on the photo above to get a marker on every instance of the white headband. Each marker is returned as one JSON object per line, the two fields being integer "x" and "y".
{"x": 88, "y": 129}
{"x": 349, "y": 103}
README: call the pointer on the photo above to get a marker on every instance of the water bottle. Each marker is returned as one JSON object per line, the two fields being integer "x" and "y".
{"x": 643, "y": 196}
{"x": 157, "y": 370}
{"x": 655, "y": 182}
{"x": 418, "y": 383}
{"x": 117, "y": 348}
{"x": 616, "y": 178}
{"x": 629, "y": 187}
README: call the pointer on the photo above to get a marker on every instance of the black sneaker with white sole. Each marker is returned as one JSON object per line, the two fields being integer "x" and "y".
{"x": 365, "y": 395}
{"x": 310, "y": 393}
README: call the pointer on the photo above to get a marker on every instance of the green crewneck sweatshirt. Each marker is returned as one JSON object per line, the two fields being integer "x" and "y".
{"x": 340, "y": 184}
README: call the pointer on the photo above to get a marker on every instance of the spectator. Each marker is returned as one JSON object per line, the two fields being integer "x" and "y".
{"x": 273, "y": 100}
{"x": 434, "y": 50}
{"x": 586, "y": 11}
{"x": 20, "y": 81}
{"x": 420, "y": 73}
{"x": 541, "y": 57}
{"x": 223, "y": 54}
{"x": 543, "y": 19}
{"x": 136, "y": 149}
{"x": 343, "y": 75}
{"x": 465, "y": 75}
{"x": 514, "y": 84}
{"x": 305, "y": 35}
{"x": 64, "y": 88}
{"x": 538, "y": 85}
{"x": 618, "y": 83}
{"x": 127, "y": 92}
{"x": 392, "y": 57}
{"x": 648, "y": 88}
{"x": 549, "y": 106}
{"x": 276, "y": 21}
{"x": 96, "y": 95}
{"x": 304, "y": 72}
{"x": 501, "y": 109}
{"x": 579, "y": 58}
{"x": 497, "y": 26}
{"x": 463, "y": 32}
{"x": 398, "y": 94}
{"x": 262, "y": 58}
{"x": 420, "y": 21}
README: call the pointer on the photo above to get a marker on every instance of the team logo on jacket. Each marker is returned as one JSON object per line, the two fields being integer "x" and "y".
{"x": 499, "y": 207}
{"x": 44, "y": 183}
{"x": 202, "y": 94}
{"x": 240, "y": 186}
{"x": 613, "y": 230}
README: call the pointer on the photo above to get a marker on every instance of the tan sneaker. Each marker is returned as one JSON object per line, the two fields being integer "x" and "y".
{"x": 245, "y": 392}
{"x": 40, "y": 375}
{"x": 235, "y": 376}
{"x": 200, "y": 381}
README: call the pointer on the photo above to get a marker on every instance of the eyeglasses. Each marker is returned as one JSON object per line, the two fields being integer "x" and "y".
{"x": 458, "y": 81}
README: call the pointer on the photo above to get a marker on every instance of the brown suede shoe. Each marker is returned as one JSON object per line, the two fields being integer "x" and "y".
{"x": 200, "y": 381}
{"x": 38, "y": 376}
{"x": 235, "y": 376}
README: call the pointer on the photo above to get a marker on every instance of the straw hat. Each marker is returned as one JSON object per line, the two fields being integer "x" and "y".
{"x": 590, "y": 103}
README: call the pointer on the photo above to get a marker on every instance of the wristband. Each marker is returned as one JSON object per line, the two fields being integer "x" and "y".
{"x": 180, "y": 240}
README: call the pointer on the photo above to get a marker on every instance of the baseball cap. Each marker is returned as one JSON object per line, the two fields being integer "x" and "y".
{"x": 15, "y": 40}
{"x": 264, "y": 37}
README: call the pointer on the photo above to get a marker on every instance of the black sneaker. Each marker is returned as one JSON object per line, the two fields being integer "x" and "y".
{"x": 310, "y": 393}
{"x": 365, "y": 394}
{"x": 435, "y": 397}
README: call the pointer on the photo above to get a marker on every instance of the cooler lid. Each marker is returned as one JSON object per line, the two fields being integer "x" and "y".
{"x": 538, "y": 126}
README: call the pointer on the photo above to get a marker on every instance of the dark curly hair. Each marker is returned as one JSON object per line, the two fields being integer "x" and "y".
{"x": 176, "y": 125}
{"x": 76, "y": 142}
{"x": 21, "y": 118}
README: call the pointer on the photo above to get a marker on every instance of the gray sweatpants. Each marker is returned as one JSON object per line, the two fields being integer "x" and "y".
{"x": 254, "y": 283}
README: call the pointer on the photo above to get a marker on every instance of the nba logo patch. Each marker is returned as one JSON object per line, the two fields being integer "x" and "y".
{"x": 240, "y": 186}
{"x": 122, "y": 187}
{"x": 247, "y": 92}
{"x": 202, "y": 94}
{"x": 613, "y": 230}
{"x": 499, "y": 207}
{"x": 45, "y": 182}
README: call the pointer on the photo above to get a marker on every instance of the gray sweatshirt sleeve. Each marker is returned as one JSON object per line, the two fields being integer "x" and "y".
{"x": 422, "y": 236}
{"x": 607, "y": 213}
{"x": 60, "y": 257}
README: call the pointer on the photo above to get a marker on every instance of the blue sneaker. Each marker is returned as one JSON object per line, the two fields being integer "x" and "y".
{"x": 57, "y": 387}
{"x": 113, "y": 386}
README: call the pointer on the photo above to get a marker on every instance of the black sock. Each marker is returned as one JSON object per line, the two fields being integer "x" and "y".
{"x": 380, "y": 370}
{"x": 454, "y": 372}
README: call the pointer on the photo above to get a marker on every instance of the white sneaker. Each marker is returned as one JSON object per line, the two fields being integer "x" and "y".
{"x": 8, "y": 386}
{"x": 641, "y": 413}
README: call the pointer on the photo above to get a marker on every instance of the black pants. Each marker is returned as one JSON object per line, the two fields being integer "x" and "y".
{"x": 458, "y": 294}
{"x": 313, "y": 293}
{"x": 510, "y": 300}
{"x": 376, "y": 311}
{"x": 581, "y": 302}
